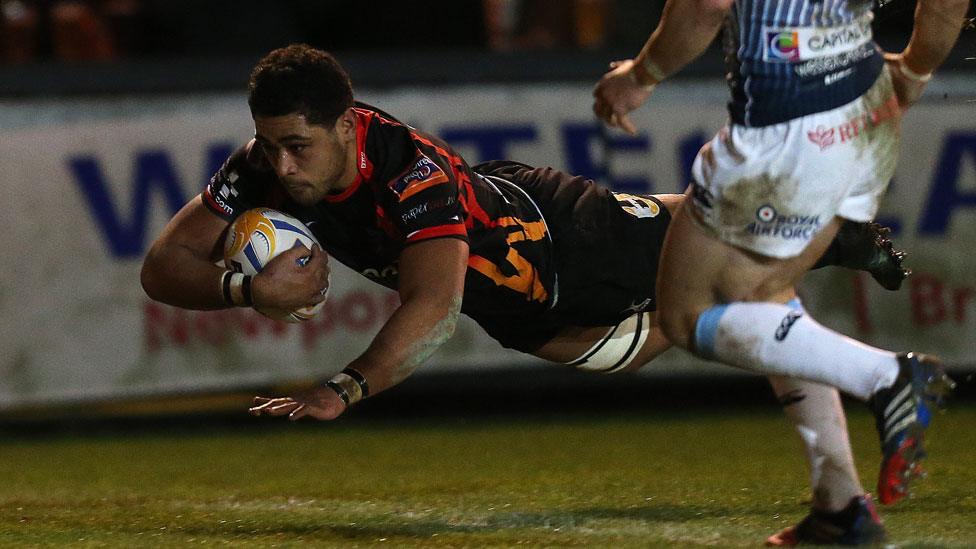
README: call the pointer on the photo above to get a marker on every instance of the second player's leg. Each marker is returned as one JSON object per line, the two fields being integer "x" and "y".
{"x": 719, "y": 301}
{"x": 698, "y": 271}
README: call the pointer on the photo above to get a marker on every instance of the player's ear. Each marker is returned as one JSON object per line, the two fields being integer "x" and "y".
{"x": 345, "y": 125}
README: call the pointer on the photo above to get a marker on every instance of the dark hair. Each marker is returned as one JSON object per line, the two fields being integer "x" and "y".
{"x": 300, "y": 79}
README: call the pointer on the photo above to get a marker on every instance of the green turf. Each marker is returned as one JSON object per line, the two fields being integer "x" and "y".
{"x": 696, "y": 479}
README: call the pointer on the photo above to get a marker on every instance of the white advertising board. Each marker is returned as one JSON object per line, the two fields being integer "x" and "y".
{"x": 86, "y": 194}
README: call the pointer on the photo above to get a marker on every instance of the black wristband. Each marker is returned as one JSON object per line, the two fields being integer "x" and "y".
{"x": 339, "y": 390}
{"x": 359, "y": 378}
{"x": 225, "y": 287}
{"x": 246, "y": 290}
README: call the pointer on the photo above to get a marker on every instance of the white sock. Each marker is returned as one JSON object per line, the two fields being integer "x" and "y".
{"x": 775, "y": 339}
{"x": 818, "y": 416}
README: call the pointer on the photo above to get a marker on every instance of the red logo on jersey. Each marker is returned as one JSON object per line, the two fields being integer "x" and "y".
{"x": 854, "y": 127}
{"x": 821, "y": 137}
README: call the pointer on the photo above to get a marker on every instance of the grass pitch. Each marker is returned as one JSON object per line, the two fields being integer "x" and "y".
{"x": 714, "y": 478}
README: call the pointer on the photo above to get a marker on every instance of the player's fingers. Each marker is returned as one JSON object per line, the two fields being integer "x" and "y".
{"x": 296, "y": 253}
{"x": 622, "y": 120}
{"x": 625, "y": 123}
{"x": 261, "y": 405}
{"x": 298, "y": 413}
{"x": 283, "y": 408}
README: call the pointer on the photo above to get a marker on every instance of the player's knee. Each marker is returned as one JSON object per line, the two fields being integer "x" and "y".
{"x": 678, "y": 326}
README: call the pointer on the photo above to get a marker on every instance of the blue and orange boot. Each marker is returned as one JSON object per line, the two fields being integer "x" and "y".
{"x": 902, "y": 413}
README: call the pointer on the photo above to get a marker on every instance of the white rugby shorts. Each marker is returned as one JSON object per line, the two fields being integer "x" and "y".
{"x": 771, "y": 189}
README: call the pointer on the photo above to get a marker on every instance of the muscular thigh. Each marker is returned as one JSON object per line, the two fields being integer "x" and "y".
{"x": 698, "y": 271}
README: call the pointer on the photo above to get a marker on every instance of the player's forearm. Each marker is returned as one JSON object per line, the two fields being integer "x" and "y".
{"x": 937, "y": 27}
{"x": 177, "y": 276}
{"x": 686, "y": 29}
{"x": 407, "y": 340}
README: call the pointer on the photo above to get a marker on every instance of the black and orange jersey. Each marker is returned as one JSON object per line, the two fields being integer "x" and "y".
{"x": 411, "y": 187}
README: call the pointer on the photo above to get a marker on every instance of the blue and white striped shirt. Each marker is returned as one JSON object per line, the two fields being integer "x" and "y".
{"x": 791, "y": 58}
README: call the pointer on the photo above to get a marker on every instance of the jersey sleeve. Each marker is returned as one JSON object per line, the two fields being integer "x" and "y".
{"x": 238, "y": 186}
{"x": 428, "y": 202}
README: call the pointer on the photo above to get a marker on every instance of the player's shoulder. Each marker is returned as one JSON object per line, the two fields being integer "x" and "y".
{"x": 421, "y": 174}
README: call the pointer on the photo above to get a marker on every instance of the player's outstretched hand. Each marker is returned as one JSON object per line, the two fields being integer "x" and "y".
{"x": 294, "y": 279}
{"x": 907, "y": 90}
{"x": 617, "y": 94}
{"x": 318, "y": 402}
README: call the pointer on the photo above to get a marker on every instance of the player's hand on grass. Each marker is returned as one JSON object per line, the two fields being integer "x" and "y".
{"x": 617, "y": 94}
{"x": 292, "y": 280}
{"x": 318, "y": 402}
{"x": 908, "y": 90}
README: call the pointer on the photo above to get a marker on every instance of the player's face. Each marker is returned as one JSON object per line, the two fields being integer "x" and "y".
{"x": 311, "y": 160}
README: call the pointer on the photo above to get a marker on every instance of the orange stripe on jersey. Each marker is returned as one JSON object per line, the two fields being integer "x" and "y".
{"x": 435, "y": 232}
{"x": 525, "y": 282}
{"x": 436, "y": 179}
{"x": 531, "y": 230}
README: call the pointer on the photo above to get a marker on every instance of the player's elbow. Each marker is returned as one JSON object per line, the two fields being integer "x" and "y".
{"x": 151, "y": 276}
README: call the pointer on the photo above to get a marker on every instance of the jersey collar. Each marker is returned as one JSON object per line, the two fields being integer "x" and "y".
{"x": 364, "y": 166}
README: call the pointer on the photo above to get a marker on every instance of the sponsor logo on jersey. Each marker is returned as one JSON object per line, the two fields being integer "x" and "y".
{"x": 766, "y": 213}
{"x": 834, "y": 77}
{"x": 822, "y": 137}
{"x": 415, "y": 212}
{"x": 782, "y": 46}
{"x": 786, "y": 227}
{"x": 833, "y": 63}
{"x": 422, "y": 175}
{"x": 855, "y": 126}
{"x": 794, "y": 44}
{"x": 218, "y": 199}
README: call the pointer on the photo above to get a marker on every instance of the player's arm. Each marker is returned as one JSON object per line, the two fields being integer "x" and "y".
{"x": 937, "y": 27}
{"x": 180, "y": 267}
{"x": 686, "y": 29}
{"x": 431, "y": 284}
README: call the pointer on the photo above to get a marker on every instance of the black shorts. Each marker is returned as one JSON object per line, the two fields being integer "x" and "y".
{"x": 605, "y": 247}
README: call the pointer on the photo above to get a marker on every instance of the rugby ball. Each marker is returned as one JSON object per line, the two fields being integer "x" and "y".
{"x": 255, "y": 238}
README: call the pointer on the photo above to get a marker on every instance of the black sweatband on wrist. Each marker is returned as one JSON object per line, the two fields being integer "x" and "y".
{"x": 225, "y": 287}
{"x": 359, "y": 378}
{"x": 339, "y": 390}
{"x": 246, "y": 290}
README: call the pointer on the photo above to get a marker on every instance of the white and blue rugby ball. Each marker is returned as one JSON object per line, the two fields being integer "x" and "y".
{"x": 255, "y": 238}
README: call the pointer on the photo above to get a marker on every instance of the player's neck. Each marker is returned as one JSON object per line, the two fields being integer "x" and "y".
{"x": 350, "y": 172}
